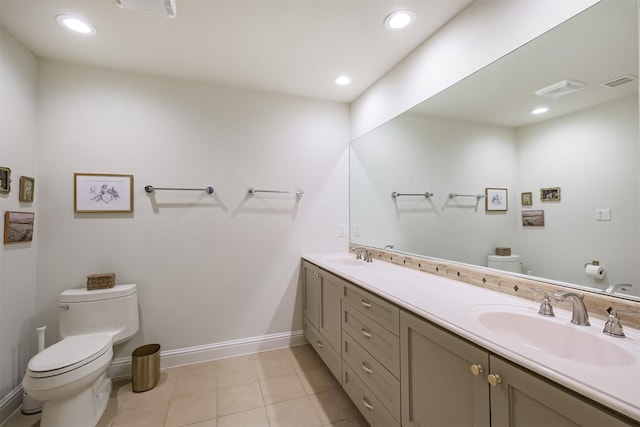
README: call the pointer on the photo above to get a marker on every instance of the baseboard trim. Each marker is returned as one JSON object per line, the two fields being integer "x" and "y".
{"x": 121, "y": 367}
{"x": 10, "y": 404}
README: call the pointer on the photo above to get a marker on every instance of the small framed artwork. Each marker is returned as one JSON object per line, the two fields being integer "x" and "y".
{"x": 18, "y": 227}
{"x": 5, "y": 180}
{"x": 550, "y": 194}
{"x": 27, "y": 187}
{"x": 100, "y": 193}
{"x": 527, "y": 199}
{"x": 533, "y": 218}
{"x": 495, "y": 199}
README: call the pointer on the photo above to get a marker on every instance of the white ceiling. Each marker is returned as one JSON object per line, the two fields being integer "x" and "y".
{"x": 597, "y": 45}
{"x": 294, "y": 47}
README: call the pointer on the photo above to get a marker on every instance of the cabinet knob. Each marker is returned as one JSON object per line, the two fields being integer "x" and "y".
{"x": 476, "y": 369}
{"x": 319, "y": 344}
{"x": 494, "y": 379}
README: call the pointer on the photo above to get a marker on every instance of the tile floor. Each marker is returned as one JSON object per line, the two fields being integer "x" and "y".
{"x": 285, "y": 387}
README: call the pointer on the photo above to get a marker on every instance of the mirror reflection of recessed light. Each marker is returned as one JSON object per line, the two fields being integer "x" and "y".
{"x": 342, "y": 80}
{"x": 76, "y": 24}
{"x": 540, "y": 110}
{"x": 399, "y": 19}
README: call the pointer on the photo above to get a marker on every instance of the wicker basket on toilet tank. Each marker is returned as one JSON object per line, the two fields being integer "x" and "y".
{"x": 101, "y": 281}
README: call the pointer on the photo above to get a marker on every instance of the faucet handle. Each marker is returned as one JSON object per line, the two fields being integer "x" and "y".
{"x": 545, "y": 306}
{"x": 613, "y": 326}
{"x": 358, "y": 252}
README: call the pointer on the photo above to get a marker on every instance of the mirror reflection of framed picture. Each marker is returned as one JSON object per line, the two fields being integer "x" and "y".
{"x": 551, "y": 194}
{"x": 495, "y": 199}
{"x": 5, "y": 180}
{"x": 533, "y": 218}
{"x": 27, "y": 187}
{"x": 527, "y": 199}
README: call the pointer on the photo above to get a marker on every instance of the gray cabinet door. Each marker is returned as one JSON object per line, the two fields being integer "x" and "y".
{"x": 524, "y": 399}
{"x": 311, "y": 290}
{"x": 331, "y": 309}
{"x": 438, "y": 386}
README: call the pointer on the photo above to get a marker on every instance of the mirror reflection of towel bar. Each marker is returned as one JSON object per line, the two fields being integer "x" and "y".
{"x": 477, "y": 196}
{"x": 252, "y": 191}
{"x": 396, "y": 194}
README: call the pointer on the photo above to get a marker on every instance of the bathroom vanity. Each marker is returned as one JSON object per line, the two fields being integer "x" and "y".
{"x": 413, "y": 349}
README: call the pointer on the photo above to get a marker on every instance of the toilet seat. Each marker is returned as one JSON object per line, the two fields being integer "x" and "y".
{"x": 69, "y": 354}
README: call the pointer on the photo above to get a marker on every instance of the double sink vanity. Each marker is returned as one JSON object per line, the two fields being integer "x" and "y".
{"x": 412, "y": 348}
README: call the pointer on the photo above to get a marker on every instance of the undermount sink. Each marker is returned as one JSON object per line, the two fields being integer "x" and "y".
{"x": 349, "y": 260}
{"x": 551, "y": 335}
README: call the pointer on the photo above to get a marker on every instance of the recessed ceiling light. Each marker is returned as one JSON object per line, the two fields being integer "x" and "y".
{"x": 399, "y": 19}
{"x": 76, "y": 24}
{"x": 540, "y": 110}
{"x": 342, "y": 80}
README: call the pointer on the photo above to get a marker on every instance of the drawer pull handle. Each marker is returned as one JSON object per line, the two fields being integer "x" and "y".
{"x": 366, "y": 403}
{"x": 494, "y": 379}
{"x": 367, "y": 369}
{"x": 366, "y": 333}
{"x": 476, "y": 369}
{"x": 319, "y": 344}
{"x": 365, "y": 304}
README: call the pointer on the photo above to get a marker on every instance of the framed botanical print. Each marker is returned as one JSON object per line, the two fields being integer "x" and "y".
{"x": 27, "y": 187}
{"x": 99, "y": 193}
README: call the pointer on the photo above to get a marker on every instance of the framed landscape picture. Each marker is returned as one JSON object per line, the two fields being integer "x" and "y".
{"x": 18, "y": 227}
{"x": 533, "y": 218}
{"x": 99, "y": 193}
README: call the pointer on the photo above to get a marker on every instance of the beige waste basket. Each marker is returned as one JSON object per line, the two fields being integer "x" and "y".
{"x": 145, "y": 367}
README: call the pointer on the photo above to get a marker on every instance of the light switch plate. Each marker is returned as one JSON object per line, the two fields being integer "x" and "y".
{"x": 603, "y": 214}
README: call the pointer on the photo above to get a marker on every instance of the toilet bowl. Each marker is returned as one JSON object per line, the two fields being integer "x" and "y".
{"x": 69, "y": 377}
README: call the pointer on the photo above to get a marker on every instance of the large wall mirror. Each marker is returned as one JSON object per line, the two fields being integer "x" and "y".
{"x": 564, "y": 185}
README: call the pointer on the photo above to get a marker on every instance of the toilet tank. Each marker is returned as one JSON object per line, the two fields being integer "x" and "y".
{"x": 505, "y": 263}
{"x": 113, "y": 310}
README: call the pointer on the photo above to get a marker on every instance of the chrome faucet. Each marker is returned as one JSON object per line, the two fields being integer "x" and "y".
{"x": 545, "y": 305}
{"x": 613, "y": 326}
{"x": 358, "y": 252}
{"x": 613, "y": 288}
{"x": 367, "y": 256}
{"x": 580, "y": 315}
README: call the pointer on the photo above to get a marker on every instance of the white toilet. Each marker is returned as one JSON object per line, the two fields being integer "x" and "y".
{"x": 505, "y": 263}
{"x": 69, "y": 378}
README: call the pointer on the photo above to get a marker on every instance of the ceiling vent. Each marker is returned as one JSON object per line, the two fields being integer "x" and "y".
{"x": 561, "y": 88}
{"x": 166, "y": 8}
{"x": 619, "y": 81}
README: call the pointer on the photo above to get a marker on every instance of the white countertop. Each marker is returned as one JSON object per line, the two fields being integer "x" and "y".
{"x": 449, "y": 303}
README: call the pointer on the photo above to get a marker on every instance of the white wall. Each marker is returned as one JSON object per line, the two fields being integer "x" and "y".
{"x": 17, "y": 261}
{"x": 417, "y": 154}
{"x": 208, "y": 268}
{"x": 592, "y": 156}
{"x": 480, "y": 34}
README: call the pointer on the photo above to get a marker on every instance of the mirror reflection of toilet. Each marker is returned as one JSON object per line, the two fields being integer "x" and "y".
{"x": 505, "y": 262}
{"x": 69, "y": 377}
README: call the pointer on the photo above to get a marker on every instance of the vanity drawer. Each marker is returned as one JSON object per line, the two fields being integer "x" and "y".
{"x": 379, "y": 342}
{"x": 376, "y": 377}
{"x": 381, "y": 311}
{"x": 368, "y": 404}
{"x": 327, "y": 353}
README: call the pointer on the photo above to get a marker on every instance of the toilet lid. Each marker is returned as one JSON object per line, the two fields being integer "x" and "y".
{"x": 69, "y": 354}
